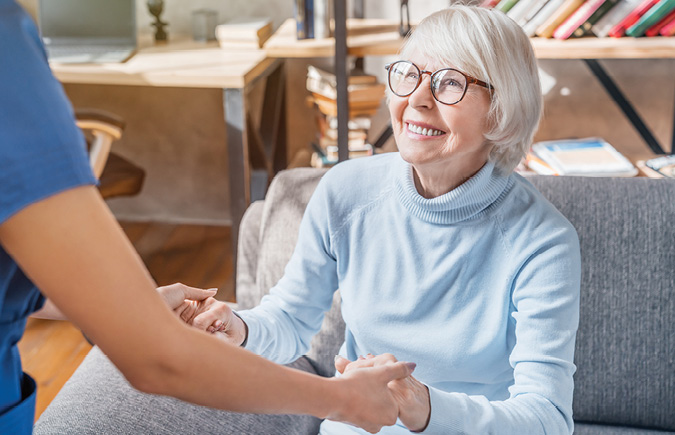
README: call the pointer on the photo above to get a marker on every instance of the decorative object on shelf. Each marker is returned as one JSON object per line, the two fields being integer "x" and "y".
{"x": 155, "y": 7}
{"x": 404, "y": 27}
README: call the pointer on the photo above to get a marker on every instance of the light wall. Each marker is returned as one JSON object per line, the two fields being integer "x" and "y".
{"x": 178, "y": 135}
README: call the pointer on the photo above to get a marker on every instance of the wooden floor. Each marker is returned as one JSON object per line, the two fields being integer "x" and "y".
{"x": 196, "y": 255}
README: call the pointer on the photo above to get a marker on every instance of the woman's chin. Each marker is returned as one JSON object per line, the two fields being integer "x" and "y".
{"x": 417, "y": 156}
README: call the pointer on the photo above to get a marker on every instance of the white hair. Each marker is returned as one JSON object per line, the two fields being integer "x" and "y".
{"x": 489, "y": 46}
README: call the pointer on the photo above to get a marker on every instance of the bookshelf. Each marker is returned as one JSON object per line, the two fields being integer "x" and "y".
{"x": 376, "y": 37}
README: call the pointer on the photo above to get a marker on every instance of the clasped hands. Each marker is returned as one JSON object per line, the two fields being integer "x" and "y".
{"x": 198, "y": 308}
{"x": 412, "y": 396}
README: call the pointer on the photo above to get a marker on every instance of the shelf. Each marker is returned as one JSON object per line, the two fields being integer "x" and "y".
{"x": 372, "y": 37}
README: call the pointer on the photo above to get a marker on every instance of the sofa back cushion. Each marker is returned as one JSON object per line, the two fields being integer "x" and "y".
{"x": 625, "y": 350}
{"x": 626, "y": 339}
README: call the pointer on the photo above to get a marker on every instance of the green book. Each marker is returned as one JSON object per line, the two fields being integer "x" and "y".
{"x": 585, "y": 29}
{"x": 651, "y": 17}
{"x": 506, "y": 5}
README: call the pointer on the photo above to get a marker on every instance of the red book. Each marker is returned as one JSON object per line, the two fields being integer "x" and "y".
{"x": 489, "y": 4}
{"x": 620, "y": 29}
{"x": 668, "y": 29}
{"x": 577, "y": 18}
{"x": 654, "y": 30}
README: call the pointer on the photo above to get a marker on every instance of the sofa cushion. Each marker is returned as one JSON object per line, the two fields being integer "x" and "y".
{"x": 625, "y": 350}
{"x": 599, "y": 429}
{"x": 98, "y": 400}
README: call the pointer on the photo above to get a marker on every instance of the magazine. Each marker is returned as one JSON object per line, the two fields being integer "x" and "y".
{"x": 592, "y": 157}
{"x": 664, "y": 165}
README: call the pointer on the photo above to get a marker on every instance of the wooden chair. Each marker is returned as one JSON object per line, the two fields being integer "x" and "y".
{"x": 117, "y": 175}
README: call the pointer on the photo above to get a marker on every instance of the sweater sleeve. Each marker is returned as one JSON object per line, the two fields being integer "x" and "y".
{"x": 545, "y": 297}
{"x": 282, "y": 326}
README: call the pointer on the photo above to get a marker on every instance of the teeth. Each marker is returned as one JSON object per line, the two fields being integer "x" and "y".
{"x": 424, "y": 131}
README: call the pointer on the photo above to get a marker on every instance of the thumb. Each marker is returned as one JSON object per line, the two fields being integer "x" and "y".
{"x": 198, "y": 294}
{"x": 341, "y": 363}
{"x": 397, "y": 370}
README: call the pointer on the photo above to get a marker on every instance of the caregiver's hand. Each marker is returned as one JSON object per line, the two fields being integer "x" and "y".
{"x": 214, "y": 316}
{"x": 411, "y": 395}
{"x": 178, "y": 296}
{"x": 370, "y": 403}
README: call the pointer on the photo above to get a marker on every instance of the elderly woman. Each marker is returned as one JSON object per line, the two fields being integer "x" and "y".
{"x": 442, "y": 254}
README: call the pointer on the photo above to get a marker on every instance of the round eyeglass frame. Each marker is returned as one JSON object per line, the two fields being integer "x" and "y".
{"x": 469, "y": 81}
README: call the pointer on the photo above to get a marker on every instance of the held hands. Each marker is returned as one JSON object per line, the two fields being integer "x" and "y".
{"x": 411, "y": 395}
{"x": 198, "y": 308}
{"x": 366, "y": 400}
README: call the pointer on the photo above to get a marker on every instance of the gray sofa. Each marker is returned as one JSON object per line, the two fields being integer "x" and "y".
{"x": 625, "y": 352}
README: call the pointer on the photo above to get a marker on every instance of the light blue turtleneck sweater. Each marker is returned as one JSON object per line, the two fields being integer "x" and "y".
{"x": 479, "y": 287}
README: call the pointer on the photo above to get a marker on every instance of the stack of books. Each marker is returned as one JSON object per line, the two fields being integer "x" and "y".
{"x": 592, "y": 157}
{"x": 365, "y": 97}
{"x": 244, "y": 33}
{"x": 563, "y": 19}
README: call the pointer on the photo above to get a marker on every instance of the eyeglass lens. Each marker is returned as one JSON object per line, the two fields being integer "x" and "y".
{"x": 447, "y": 85}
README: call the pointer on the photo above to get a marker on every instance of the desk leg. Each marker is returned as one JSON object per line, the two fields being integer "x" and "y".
{"x": 623, "y": 103}
{"x": 240, "y": 177}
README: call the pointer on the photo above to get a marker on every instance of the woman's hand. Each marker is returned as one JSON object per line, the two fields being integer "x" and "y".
{"x": 411, "y": 395}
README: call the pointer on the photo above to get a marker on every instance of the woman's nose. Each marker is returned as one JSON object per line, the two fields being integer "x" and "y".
{"x": 422, "y": 96}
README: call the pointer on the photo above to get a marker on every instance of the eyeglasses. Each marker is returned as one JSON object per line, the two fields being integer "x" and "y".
{"x": 448, "y": 86}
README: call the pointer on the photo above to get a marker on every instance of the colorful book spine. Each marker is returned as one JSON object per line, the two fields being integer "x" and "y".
{"x": 301, "y": 25}
{"x": 532, "y": 11}
{"x": 668, "y": 29}
{"x": 578, "y": 17}
{"x": 506, "y": 5}
{"x": 585, "y": 29}
{"x": 568, "y": 7}
{"x": 309, "y": 18}
{"x": 651, "y": 17}
{"x": 613, "y": 17}
{"x": 489, "y": 4}
{"x": 620, "y": 29}
{"x": 656, "y": 28}
{"x": 530, "y": 28}
{"x": 520, "y": 9}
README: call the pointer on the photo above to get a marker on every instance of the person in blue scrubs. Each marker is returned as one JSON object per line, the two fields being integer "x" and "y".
{"x": 57, "y": 235}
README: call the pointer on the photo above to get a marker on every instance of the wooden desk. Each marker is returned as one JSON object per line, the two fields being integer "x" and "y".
{"x": 374, "y": 37}
{"x": 191, "y": 64}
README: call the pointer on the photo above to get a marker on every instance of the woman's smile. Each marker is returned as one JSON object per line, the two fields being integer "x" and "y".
{"x": 422, "y": 131}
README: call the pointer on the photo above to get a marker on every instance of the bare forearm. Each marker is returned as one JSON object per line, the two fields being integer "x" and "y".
{"x": 102, "y": 286}
{"x": 237, "y": 380}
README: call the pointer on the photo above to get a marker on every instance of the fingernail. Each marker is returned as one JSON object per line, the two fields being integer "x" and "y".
{"x": 361, "y": 357}
{"x": 337, "y": 357}
{"x": 218, "y": 324}
{"x": 411, "y": 366}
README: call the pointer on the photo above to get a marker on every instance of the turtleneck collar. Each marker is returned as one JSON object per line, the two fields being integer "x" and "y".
{"x": 462, "y": 203}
